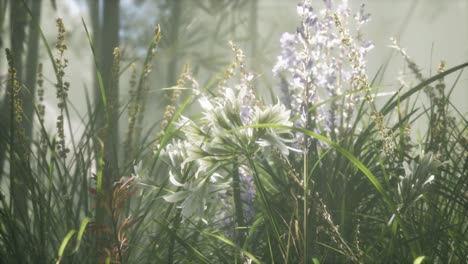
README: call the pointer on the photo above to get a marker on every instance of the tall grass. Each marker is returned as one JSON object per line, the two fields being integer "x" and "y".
{"x": 324, "y": 175}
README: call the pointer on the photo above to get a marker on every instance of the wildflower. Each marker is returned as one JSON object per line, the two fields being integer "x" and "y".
{"x": 16, "y": 104}
{"x": 225, "y": 132}
{"x": 195, "y": 194}
{"x": 320, "y": 61}
{"x": 40, "y": 93}
{"x": 138, "y": 95}
{"x": 247, "y": 193}
{"x": 274, "y": 136}
{"x": 62, "y": 88}
{"x": 133, "y": 110}
{"x": 195, "y": 191}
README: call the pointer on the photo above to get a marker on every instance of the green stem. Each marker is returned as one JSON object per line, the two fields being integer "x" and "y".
{"x": 170, "y": 255}
{"x": 262, "y": 193}
{"x": 305, "y": 179}
{"x": 240, "y": 221}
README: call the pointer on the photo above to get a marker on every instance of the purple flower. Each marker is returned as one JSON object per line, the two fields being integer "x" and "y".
{"x": 247, "y": 193}
{"x": 322, "y": 61}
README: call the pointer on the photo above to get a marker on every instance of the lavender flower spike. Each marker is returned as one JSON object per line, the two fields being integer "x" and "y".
{"x": 321, "y": 61}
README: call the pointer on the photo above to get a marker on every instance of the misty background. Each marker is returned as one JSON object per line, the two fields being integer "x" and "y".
{"x": 197, "y": 32}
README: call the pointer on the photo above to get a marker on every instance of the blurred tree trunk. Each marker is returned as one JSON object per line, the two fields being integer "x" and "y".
{"x": 107, "y": 120}
{"x": 94, "y": 13}
{"x": 3, "y": 101}
{"x": 31, "y": 67}
{"x": 3, "y": 9}
{"x": 13, "y": 134}
{"x": 110, "y": 41}
{"x": 106, "y": 39}
{"x": 18, "y": 23}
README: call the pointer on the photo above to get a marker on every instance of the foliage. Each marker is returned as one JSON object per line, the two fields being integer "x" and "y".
{"x": 322, "y": 175}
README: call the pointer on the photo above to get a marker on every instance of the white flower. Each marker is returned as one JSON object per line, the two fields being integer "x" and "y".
{"x": 195, "y": 194}
{"x": 277, "y": 135}
{"x": 225, "y": 133}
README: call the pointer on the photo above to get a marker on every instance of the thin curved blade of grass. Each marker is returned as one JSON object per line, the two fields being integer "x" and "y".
{"x": 454, "y": 84}
{"x": 336, "y": 97}
{"x": 169, "y": 132}
{"x": 253, "y": 228}
{"x": 100, "y": 168}
{"x": 232, "y": 244}
{"x": 419, "y": 260}
{"x": 257, "y": 171}
{"x": 64, "y": 244}
{"x": 390, "y": 105}
{"x": 332, "y": 248}
{"x": 305, "y": 208}
{"x": 462, "y": 116}
{"x": 52, "y": 164}
{"x": 395, "y": 99}
{"x": 98, "y": 73}
{"x": 270, "y": 248}
{"x": 46, "y": 44}
{"x": 191, "y": 249}
{"x": 80, "y": 234}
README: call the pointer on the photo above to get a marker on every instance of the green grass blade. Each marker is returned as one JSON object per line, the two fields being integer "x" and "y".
{"x": 64, "y": 245}
{"x": 419, "y": 260}
{"x": 232, "y": 244}
{"x": 98, "y": 73}
{"x": 80, "y": 234}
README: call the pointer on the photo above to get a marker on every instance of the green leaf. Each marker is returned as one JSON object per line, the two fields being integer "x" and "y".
{"x": 100, "y": 168}
{"x": 64, "y": 244}
{"x": 98, "y": 72}
{"x": 419, "y": 260}
{"x": 83, "y": 225}
{"x": 176, "y": 197}
{"x": 371, "y": 177}
{"x": 232, "y": 244}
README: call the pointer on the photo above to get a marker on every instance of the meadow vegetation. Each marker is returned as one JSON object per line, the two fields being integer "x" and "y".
{"x": 320, "y": 174}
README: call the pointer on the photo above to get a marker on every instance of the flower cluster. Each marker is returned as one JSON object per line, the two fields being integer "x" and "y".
{"x": 62, "y": 87}
{"x": 322, "y": 61}
{"x": 16, "y": 104}
{"x": 233, "y": 127}
{"x": 194, "y": 192}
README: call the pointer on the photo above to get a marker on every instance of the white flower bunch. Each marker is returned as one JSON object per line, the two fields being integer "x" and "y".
{"x": 232, "y": 128}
